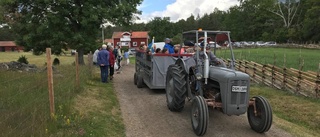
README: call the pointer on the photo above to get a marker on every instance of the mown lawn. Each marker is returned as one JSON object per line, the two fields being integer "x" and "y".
{"x": 310, "y": 58}
{"x": 301, "y": 111}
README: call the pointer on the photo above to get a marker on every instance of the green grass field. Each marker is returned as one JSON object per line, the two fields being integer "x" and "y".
{"x": 310, "y": 57}
{"x": 37, "y": 60}
{"x": 24, "y": 101}
{"x": 301, "y": 111}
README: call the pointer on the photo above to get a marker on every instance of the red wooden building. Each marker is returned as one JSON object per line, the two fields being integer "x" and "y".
{"x": 130, "y": 39}
{"x": 9, "y": 46}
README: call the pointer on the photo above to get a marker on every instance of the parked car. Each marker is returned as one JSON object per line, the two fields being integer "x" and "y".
{"x": 211, "y": 45}
{"x": 248, "y": 43}
{"x": 260, "y": 43}
{"x": 132, "y": 51}
{"x": 271, "y": 43}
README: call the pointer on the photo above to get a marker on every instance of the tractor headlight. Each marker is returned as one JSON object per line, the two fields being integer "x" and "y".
{"x": 198, "y": 76}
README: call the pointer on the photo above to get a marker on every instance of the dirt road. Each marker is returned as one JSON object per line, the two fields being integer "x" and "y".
{"x": 145, "y": 114}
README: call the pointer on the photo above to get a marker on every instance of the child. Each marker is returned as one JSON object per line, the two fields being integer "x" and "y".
{"x": 126, "y": 56}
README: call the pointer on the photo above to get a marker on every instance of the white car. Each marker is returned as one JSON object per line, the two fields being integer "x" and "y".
{"x": 271, "y": 43}
{"x": 260, "y": 43}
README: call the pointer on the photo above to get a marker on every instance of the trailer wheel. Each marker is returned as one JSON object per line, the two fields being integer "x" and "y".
{"x": 262, "y": 120}
{"x": 140, "y": 82}
{"x": 135, "y": 78}
{"x": 199, "y": 115}
{"x": 176, "y": 88}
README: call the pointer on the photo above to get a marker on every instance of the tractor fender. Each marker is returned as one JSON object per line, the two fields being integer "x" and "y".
{"x": 186, "y": 63}
{"x": 181, "y": 62}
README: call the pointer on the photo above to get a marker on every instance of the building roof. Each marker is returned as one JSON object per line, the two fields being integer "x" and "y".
{"x": 107, "y": 40}
{"x": 7, "y": 44}
{"x": 134, "y": 34}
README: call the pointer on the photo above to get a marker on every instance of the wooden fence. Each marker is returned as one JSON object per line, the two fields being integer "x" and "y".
{"x": 294, "y": 80}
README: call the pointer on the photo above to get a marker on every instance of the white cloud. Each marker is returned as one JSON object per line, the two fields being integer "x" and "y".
{"x": 182, "y": 9}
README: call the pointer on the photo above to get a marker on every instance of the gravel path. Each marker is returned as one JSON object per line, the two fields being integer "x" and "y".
{"x": 145, "y": 114}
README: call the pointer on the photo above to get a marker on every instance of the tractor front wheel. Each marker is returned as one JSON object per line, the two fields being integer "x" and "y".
{"x": 261, "y": 120}
{"x": 176, "y": 88}
{"x": 199, "y": 115}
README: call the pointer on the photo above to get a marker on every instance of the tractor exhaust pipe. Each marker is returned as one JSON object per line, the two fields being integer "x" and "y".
{"x": 206, "y": 60}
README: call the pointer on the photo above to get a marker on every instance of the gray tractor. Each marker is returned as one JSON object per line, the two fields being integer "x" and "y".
{"x": 209, "y": 83}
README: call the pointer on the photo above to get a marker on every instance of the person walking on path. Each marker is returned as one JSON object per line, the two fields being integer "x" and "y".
{"x": 119, "y": 58}
{"x": 95, "y": 56}
{"x": 126, "y": 57}
{"x": 112, "y": 61}
{"x": 103, "y": 62}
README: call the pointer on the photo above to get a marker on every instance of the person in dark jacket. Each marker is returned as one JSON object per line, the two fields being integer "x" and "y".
{"x": 103, "y": 62}
{"x": 112, "y": 60}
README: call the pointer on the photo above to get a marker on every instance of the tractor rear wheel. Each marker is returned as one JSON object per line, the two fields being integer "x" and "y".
{"x": 140, "y": 82}
{"x": 135, "y": 78}
{"x": 261, "y": 120}
{"x": 199, "y": 115}
{"x": 176, "y": 88}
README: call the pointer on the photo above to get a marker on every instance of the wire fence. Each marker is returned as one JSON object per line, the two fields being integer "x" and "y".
{"x": 24, "y": 99}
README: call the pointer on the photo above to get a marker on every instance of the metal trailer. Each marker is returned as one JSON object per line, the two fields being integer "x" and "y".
{"x": 218, "y": 87}
{"x": 151, "y": 69}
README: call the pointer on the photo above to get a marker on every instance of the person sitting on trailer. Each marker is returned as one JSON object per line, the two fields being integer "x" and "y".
{"x": 168, "y": 45}
{"x": 158, "y": 50}
{"x": 165, "y": 51}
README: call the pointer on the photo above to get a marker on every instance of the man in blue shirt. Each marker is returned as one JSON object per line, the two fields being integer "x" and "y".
{"x": 169, "y": 46}
{"x": 103, "y": 62}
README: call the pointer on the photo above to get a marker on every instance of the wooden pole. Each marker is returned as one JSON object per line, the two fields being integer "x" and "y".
{"x": 273, "y": 71}
{"x": 77, "y": 71}
{"x": 50, "y": 81}
{"x": 284, "y": 80}
{"x": 317, "y": 83}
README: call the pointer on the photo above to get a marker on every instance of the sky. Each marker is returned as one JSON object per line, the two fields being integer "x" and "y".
{"x": 180, "y": 9}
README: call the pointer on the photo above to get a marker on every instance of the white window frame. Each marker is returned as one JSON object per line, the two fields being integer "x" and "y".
{"x": 135, "y": 43}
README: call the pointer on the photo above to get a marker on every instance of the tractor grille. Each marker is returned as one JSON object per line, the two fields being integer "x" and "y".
{"x": 238, "y": 97}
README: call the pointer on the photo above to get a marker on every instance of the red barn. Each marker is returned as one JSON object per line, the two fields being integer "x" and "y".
{"x": 9, "y": 46}
{"x": 130, "y": 39}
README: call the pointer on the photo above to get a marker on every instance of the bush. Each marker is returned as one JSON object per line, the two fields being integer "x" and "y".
{"x": 23, "y": 59}
{"x": 56, "y": 61}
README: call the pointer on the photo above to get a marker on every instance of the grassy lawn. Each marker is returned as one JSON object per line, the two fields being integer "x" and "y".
{"x": 38, "y": 60}
{"x": 311, "y": 57}
{"x": 91, "y": 110}
{"x": 298, "y": 115}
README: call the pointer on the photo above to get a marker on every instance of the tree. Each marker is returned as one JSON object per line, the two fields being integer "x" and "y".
{"x": 161, "y": 28}
{"x": 311, "y": 23}
{"x": 6, "y": 34}
{"x": 65, "y": 23}
{"x": 286, "y": 10}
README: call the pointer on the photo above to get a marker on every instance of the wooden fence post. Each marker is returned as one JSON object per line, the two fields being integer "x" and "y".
{"x": 263, "y": 74}
{"x": 273, "y": 71}
{"x": 239, "y": 66}
{"x": 284, "y": 80}
{"x": 50, "y": 81}
{"x": 317, "y": 90}
{"x": 77, "y": 71}
{"x": 254, "y": 70}
{"x": 298, "y": 85}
